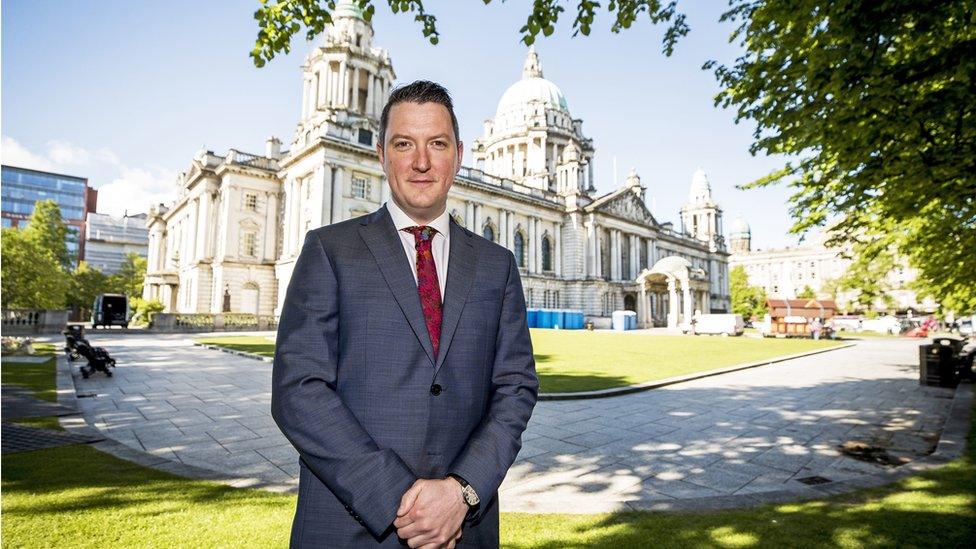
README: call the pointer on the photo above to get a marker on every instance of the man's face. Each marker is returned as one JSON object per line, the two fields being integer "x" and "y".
{"x": 420, "y": 157}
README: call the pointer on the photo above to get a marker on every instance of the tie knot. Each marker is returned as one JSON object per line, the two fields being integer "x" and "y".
{"x": 421, "y": 233}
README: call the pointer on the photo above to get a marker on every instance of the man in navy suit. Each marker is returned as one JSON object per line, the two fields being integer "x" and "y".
{"x": 404, "y": 373}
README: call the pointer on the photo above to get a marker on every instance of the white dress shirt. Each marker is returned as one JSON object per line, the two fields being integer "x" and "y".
{"x": 440, "y": 245}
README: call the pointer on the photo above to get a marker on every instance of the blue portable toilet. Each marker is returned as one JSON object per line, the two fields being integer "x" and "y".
{"x": 532, "y": 316}
{"x": 559, "y": 319}
{"x": 545, "y": 318}
{"x": 632, "y": 320}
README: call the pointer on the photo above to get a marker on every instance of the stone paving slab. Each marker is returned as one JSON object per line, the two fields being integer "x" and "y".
{"x": 747, "y": 434}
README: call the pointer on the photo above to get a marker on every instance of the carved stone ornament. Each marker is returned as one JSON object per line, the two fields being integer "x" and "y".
{"x": 629, "y": 206}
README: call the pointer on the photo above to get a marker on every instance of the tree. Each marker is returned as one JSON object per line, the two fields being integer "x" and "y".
{"x": 86, "y": 284}
{"x": 748, "y": 301}
{"x": 48, "y": 231}
{"x": 868, "y": 275}
{"x": 874, "y": 103}
{"x": 32, "y": 277}
{"x": 280, "y": 20}
{"x": 806, "y": 293}
{"x": 131, "y": 275}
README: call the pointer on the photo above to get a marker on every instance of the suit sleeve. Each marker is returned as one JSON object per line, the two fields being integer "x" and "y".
{"x": 493, "y": 446}
{"x": 368, "y": 479}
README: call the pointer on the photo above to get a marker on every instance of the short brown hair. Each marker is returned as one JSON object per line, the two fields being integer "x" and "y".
{"x": 420, "y": 91}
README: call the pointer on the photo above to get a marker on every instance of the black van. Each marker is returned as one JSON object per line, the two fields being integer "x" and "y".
{"x": 110, "y": 310}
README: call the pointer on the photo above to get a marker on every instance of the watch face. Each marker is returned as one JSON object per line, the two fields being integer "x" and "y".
{"x": 470, "y": 497}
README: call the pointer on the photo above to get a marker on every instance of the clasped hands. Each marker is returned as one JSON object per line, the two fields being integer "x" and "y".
{"x": 431, "y": 513}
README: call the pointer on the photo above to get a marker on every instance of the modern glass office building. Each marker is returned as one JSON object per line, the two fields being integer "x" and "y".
{"x": 21, "y": 188}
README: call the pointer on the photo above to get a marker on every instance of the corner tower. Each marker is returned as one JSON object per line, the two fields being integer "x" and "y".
{"x": 345, "y": 82}
{"x": 701, "y": 218}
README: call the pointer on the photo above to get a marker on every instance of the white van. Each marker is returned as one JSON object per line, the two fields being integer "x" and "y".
{"x": 719, "y": 324}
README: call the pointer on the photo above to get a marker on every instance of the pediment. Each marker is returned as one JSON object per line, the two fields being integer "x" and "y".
{"x": 628, "y": 206}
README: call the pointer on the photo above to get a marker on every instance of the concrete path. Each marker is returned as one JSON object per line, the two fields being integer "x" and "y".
{"x": 753, "y": 432}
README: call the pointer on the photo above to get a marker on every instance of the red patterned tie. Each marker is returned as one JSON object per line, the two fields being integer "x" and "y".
{"x": 427, "y": 284}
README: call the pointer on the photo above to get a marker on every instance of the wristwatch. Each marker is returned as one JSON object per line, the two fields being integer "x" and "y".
{"x": 467, "y": 491}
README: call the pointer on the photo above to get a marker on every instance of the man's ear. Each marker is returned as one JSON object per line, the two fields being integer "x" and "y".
{"x": 460, "y": 152}
{"x": 379, "y": 152}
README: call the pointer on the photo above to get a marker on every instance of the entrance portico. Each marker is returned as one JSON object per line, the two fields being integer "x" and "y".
{"x": 669, "y": 273}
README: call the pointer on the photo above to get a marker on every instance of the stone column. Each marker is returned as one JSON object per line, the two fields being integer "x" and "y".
{"x": 477, "y": 219}
{"x": 598, "y": 245}
{"x": 688, "y": 308}
{"x": 354, "y": 90}
{"x": 634, "y": 255}
{"x": 286, "y": 229}
{"x": 369, "y": 94}
{"x": 614, "y": 254}
{"x": 203, "y": 225}
{"x": 469, "y": 216}
{"x": 342, "y": 84}
{"x": 191, "y": 248}
{"x": 510, "y": 226}
{"x": 503, "y": 228}
{"x": 270, "y": 230}
{"x": 672, "y": 304}
{"x": 642, "y": 306}
{"x": 337, "y": 195}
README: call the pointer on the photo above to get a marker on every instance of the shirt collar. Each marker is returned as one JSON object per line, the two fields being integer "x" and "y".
{"x": 401, "y": 220}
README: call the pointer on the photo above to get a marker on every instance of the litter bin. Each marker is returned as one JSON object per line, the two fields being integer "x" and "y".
{"x": 936, "y": 365}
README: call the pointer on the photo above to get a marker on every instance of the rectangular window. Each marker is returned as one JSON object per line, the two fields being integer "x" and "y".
{"x": 360, "y": 187}
{"x": 250, "y": 244}
{"x": 251, "y": 202}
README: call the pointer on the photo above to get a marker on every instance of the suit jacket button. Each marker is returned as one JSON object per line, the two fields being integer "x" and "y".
{"x": 435, "y": 389}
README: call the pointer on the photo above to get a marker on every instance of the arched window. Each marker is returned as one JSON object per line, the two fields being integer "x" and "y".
{"x": 519, "y": 249}
{"x": 488, "y": 233}
{"x": 546, "y": 254}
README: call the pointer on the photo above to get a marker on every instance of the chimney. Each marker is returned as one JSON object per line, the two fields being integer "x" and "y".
{"x": 273, "y": 147}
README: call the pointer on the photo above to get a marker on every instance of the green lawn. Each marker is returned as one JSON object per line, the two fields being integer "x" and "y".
{"x": 40, "y": 379}
{"x": 259, "y": 345}
{"x": 76, "y": 496}
{"x": 577, "y": 360}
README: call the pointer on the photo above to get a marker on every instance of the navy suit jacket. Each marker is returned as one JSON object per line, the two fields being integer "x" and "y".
{"x": 354, "y": 376}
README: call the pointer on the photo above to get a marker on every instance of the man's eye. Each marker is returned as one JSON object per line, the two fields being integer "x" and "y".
{"x": 401, "y": 144}
{"x": 440, "y": 144}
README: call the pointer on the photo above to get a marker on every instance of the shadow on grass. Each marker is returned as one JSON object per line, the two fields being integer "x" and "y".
{"x": 47, "y": 491}
{"x": 263, "y": 349}
{"x": 38, "y": 378}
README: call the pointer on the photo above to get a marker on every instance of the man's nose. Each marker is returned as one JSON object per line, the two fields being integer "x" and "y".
{"x": 421, "y": 160}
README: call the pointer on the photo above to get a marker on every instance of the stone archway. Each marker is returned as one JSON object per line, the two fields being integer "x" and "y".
{"x": 673, "y": 271}
{"x": 630, "y": 302}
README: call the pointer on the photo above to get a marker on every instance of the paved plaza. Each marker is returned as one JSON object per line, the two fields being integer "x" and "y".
{"x": 755, "y": 431}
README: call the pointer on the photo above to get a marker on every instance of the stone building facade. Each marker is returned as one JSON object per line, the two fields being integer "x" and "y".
{"x": 230, "y": 240}
{"x": 786, "y": 272}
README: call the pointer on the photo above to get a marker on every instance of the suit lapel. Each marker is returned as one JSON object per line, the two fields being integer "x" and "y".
{"x": 461, "y": 267}
{"x": 380, "y": 236}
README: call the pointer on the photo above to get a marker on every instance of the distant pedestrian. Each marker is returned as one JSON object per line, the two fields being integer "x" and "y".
{"x": 815, "y": 328}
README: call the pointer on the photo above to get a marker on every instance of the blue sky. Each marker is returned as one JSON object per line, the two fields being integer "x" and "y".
{"x": 126, "y": 92}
